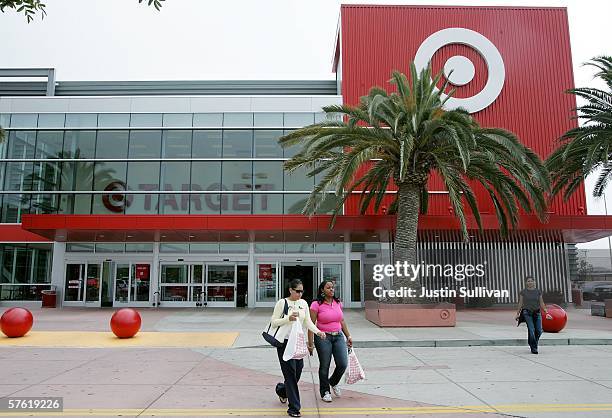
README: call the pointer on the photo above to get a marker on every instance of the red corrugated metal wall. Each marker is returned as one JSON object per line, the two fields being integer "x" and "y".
{"x": 534, "y": 44}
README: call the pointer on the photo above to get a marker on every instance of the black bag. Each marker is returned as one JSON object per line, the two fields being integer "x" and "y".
{"x": 270, "y": 332}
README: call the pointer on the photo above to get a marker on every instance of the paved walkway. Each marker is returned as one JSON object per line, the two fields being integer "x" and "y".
{"x": 438, "y": 382}
{"x": 148, "y": 376}
{"x": 474, "y": 327}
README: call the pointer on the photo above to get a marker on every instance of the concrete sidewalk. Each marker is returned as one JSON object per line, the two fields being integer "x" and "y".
{"x": 407, "y": 382}
{"x": 143, "y": 378}
{"x": 474, "y": 327}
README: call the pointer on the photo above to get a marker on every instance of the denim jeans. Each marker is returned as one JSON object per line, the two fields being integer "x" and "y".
{"x": 292, "y": 371}
{"x": 534, "y": 327}
{"x": 332, "y": 345}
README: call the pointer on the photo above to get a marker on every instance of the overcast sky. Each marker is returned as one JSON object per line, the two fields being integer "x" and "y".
{"x": 230, "y": 39}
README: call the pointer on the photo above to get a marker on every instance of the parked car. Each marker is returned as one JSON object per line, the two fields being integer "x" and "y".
{"x": 588, "y": 288}
{"x": 601, "y": 293}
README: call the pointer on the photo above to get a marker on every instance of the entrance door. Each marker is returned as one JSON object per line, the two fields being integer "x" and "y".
{"x": 82, "y": 284}
{"x": 132, "y": 284}
{"x": 221, "y": 285}
{"x": 306, "y": 272}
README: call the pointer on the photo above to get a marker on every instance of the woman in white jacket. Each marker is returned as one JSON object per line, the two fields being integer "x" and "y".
{"x": 292, "y": 369}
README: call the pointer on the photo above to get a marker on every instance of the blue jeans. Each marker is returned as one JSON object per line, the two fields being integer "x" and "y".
{"x": 292, "y": 371}
{"x": 534, "y": 327}
{"x": 332, "y": 345}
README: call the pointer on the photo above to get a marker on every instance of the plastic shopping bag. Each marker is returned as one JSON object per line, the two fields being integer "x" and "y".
{"x": 296, "y": 343}
{"x": 355, "y": 372}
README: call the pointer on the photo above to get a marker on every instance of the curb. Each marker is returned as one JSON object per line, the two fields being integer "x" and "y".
{"x": 515, "y": 342}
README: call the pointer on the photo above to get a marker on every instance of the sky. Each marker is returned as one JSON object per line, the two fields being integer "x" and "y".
{"x": 233, "y": 39}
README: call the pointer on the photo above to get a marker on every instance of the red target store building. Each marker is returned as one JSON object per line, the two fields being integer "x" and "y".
{"x": 173, "y": 193}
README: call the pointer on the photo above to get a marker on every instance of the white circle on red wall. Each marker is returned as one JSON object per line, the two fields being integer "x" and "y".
{"x": 458, "y": 66}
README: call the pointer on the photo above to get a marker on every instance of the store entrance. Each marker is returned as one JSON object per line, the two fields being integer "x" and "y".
{"x": 306, "y": 272}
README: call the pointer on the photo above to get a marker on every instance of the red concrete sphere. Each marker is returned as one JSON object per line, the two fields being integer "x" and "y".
{"x": 16, "y": 322}
{"x": 125, "y": 323}
{"x": 558, "y": 321}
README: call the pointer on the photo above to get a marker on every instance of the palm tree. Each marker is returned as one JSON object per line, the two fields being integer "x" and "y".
{"x": 403, "y": 138}
{"x": 587, "y": 149}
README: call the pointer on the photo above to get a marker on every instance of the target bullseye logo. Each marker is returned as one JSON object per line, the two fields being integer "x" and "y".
{"x": 462, "y": 68}
{"x": 116, "y": 202}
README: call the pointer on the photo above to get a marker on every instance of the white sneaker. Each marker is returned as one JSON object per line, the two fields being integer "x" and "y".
{"x": 337, "y": 391}
{"x": 327, "y": 397}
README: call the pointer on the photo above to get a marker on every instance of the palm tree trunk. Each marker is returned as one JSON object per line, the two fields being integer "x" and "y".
{"x": 406, "y": 236}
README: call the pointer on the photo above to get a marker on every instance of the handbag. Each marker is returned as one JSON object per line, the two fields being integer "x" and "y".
{"x": 355, "y": 372}
{"x": 271, "y": 332}
{"x": 296, "y": 348}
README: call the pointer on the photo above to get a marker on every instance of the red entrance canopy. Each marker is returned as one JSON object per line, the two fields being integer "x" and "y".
{"x": 138, "y": 228}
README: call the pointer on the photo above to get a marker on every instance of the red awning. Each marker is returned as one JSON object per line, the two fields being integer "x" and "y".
{"x": 139, "y": 228}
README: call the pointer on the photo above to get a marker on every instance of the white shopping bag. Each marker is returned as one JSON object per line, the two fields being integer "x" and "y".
{"x": 296, "y": 343}
{"x": 355, "y": 372}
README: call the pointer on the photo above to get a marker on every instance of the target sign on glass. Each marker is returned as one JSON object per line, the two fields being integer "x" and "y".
{"x": 459, "y": 70}
{"x": 116, "y": 202}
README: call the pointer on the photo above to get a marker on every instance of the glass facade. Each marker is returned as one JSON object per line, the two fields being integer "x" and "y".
{"x": 173, "y": 163}
{"x": 26, "y": 271}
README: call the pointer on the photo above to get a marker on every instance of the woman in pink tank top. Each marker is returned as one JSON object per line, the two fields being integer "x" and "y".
{"x": 326, "y": 313}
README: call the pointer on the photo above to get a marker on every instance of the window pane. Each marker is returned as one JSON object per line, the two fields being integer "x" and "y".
{"x": 114, "y": 120}
{"x": 236, "y": 204}
{"x": 145, "y": 144}
{"x": 77, "y": 204}
{"x": 51, "y": 120}
{"x": 206, "y": 144}
{"x": 332, "y": 247}
{"x": 18, "y": 176}
{"x": 294, "y": 203}
{"x": 178, "y": 120}
{"x": 139, "y": 248}
{"x": 299, "y": 247}
{"x": 44, "y": 203}
{"x": 80, "y": 247}
{"x": 174, "y": 176}
{"x": 237, "y": 175}
{"x": 109, "y": 176}
{"x": 289, "y": 152}
{"x": 269, "y": 247}
{"x": 142, "y": 176}
{"x": 237, "y": 144}
{"x": 207, "y": 120}
{"x": 206, "y": 204}
{"x": 238, "y": 120}
{"x": 47, "y": 175}
{"x": 206, "y": 175}
{"x": 146, "y": 120}
{"x": 267, "y": 203}
{"x": 268, "y": 120}
{"x": 81, "y": 120}
{"x": 266, "y": 144}
{"x": 204, "y": 248}
{"x": 268, "y": 176}
{"x": 24, "y": 120}
{"x": 79, "y": 144}
{"x": 298, "y": 180}
{"x": 49, "y": 144}
{"x": 176, "y": 144}
{"x": 13, "y": 206}
{"x": 298, "y": 120}
{"x": 234, "y": 247}
{"x": 112, "y": 144}
{"x": 166, "y": 247}
{"x": 5, "y": 120}
{"x": 110, "y": 248}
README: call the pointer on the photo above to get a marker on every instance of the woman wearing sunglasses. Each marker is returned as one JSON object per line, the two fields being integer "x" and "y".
{"x": 292, "y": 369}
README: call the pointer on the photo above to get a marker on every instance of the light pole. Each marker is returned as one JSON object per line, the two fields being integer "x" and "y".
{"x": 609, "y": 241}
